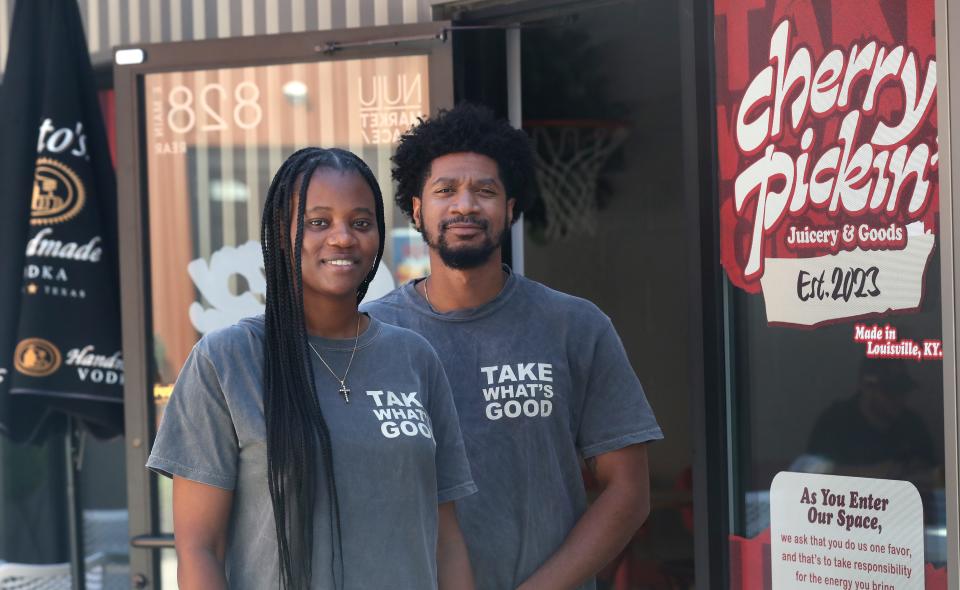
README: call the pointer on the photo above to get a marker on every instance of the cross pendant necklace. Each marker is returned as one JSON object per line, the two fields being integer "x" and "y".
{"x": 344, "y": 390}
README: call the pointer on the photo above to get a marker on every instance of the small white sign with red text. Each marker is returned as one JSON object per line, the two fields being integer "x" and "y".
{"x": 830, "y": 531}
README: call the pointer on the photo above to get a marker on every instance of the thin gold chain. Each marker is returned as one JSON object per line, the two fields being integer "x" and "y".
{"x": 356, "y": 340}
{"x": 426, "y": 294}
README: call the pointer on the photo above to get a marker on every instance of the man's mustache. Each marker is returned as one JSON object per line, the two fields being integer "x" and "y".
{"x": 481, "y": 223}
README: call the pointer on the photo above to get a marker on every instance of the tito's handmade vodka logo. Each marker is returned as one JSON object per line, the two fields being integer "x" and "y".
{"x": 58, "y": 194}
{"x": 36, "y": 357}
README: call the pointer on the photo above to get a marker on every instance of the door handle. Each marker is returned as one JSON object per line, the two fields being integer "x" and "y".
{"x": 152, "y": 541}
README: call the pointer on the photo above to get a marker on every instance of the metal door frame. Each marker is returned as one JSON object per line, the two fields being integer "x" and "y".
{"x": 948, "y": 67}
{"x": 429, "y": 39}
{"x": 709, "y": 389}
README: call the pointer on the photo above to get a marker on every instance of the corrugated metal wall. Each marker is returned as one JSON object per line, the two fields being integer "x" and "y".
{"x": 116, "y": 22}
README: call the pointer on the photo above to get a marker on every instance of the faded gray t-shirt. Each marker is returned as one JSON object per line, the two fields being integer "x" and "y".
{"x": 397, "y": 453}
{"x": 540, "y": 378}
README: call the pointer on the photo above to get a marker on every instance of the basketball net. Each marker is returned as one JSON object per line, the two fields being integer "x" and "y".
{"x": 568, "y": 160}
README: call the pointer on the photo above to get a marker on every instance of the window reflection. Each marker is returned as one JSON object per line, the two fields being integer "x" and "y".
{"x": 214, "y": 139}
{"x": 811, "y": 401}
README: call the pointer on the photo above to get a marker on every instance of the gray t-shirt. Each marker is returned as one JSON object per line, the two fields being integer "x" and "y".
{"x": 540, "y": 378}
{"x": 397, "y": 453}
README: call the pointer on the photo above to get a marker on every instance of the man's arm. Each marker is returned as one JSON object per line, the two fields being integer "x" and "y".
{"x": 453, "y": 563}
{"x": 607, "y": 525}
{"x": 200, "y": 517}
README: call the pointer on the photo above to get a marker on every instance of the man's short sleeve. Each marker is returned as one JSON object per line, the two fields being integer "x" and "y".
{"x": 454, "y": 480}
{"x": 197, "y": 439}
{"x": 616, "y": 413}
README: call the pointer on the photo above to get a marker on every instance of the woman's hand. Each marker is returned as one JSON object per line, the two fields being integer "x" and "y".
{"x": 200, "y": 516}
{"x": 453, "y": 562}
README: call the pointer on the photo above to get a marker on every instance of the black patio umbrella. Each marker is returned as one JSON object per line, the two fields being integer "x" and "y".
{"x": 61, "y": 367}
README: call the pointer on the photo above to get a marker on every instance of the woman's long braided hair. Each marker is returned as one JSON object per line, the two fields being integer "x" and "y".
{"x": 297, "y": 433}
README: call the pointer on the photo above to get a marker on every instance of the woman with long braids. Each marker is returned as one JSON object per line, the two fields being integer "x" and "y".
{"x": 315, "y": 447}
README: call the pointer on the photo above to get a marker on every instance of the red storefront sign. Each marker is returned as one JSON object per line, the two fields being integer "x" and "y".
{"x": 828, "y": 157}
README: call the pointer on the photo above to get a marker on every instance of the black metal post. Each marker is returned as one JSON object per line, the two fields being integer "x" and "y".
{"x": 78, "y": 573}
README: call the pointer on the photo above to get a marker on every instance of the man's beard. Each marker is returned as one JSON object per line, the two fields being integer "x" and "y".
{"x": 466, "y": 257}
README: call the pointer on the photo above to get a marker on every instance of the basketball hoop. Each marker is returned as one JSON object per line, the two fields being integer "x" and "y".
{"x": 569, "y": 156}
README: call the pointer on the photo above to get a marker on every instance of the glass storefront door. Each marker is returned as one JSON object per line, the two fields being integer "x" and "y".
{"x": 828, "y": 201}
{"x": 208, "y": 124}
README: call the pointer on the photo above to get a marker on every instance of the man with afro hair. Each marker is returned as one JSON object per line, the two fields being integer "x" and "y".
{"x": 540, "y": 378}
